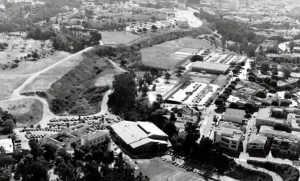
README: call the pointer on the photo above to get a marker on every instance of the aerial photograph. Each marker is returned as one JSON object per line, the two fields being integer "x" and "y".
{"x": 149, "y": 90}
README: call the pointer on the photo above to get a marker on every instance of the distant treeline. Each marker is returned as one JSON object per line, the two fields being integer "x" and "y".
{"x": 234, "y": 31}
{"x": 65, "y": 39}
{"x": 20, "y": 17}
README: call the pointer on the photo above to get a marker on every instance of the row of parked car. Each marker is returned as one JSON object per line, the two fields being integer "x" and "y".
{"x": 182, "y": 164}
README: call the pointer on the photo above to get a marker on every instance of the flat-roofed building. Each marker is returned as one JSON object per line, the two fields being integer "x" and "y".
{"x": 81, "y": 135}
{"x": 234, "y": 115}
{"x": 229, "y": 138}
{"x": 139, "y": 137}
{"x": 283, "y": 142}
{"x": 264, "y": 117}
{"x": 256, "y": 142}
{"x": 208, "y": 67}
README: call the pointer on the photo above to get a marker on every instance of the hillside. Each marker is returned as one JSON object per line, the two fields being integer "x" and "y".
{"x": 81, "y": 89}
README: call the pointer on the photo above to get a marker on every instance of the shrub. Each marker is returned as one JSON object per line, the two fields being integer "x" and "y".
{"x": 286, "y": 172}
{"x": 275, "y": 103}
{"x": 285, "y": 103}
{"x": 287, "y": 95}
{"x": 261, "y": 94}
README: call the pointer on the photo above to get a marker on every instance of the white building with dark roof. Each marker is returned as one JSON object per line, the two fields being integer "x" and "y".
{"x": 139, "y": 137}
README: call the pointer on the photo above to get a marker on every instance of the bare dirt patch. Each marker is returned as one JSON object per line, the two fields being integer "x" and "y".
{"x": 27, "y": 111}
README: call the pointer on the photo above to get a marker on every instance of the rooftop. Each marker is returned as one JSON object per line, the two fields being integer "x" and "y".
{"x": 254, "y": 138}
{"x": 211, "y": 66}
{"x": 269, "y": 131}
{"x": 234, "y": 113}
{"x": 138, "y": 133}
{"x": 233, "y": 134}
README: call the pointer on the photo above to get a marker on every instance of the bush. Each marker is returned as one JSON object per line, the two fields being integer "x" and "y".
{"x": 285, "y": 103}
{"x": 272, "y": 90}
{"x": 196, "y": 58}
{"x": 261, "y": 94}
{"x": 237, "y": 79}
{"x": 275, "y": 103}
{"x": 286, "y": 172}
{"x": 287, "y": 95}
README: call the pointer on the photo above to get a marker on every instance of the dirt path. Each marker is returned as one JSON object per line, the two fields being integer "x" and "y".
{"x": 47, "y": 114}
{"x": 17, "y": 91}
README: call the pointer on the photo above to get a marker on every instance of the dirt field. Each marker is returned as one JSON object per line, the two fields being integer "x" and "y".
{"x": 9, "y": 84}
{"x": 167, "y": 55}
{"x": 111, "y": 37}
{"x": 27, "y": 111}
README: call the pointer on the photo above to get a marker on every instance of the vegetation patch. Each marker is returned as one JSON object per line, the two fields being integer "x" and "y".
{"x": 286, "y": 172}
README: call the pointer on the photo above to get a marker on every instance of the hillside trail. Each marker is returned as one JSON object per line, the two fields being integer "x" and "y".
{"x": 47, "y": 114}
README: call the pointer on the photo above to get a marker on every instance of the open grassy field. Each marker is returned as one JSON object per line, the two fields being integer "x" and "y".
{"x": 169, "y": 54}
{"x": 9, "y": 84}
{"x": 158, "y": 170}
{"x": 26, "y": 111}
{"x": 13, "y": 61}
{"x": 116, "y": 37}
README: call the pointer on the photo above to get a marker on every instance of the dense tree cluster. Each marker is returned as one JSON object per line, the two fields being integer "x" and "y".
{"x": 84, "y": 164}
{"x": 65, "y": 39}
{"x": 286, "y": 172}
{"x": 7, "y": 122}
{"x": 234, "y": 31}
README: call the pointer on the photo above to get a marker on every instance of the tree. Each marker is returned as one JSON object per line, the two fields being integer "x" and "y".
{"x": 275, "y": 103}
{"x": 49, "y": 151}
{"x": 154, "y": 28}
{"x": 219, "y": 102}
{"x": 141, "y": 177}
{"x": 124, "y": 91}
{"x": 261, "y": 94}
{"x": 222, "y": 96}
{"x": 264, "y": 67}
{"x": 287, "y": 95}
{"x": 8, "y": 126}
{"x": 285, "y": 103}
{"x": 292, "y": 45}
{"x": 252, "y": 78}
{"x": 145, "y": 89}
{"x": 196, "y": 58}
{"x": 170, "y": 129}
{"x": 273, "y": 83}
{"x": 35, "y": 55}
{"x": 272, "y": 90}
{"x": 167, "y": 76}
{"x": 29, "y": 169}
{"x": 234, "y": 105}
{"x": 267, "y": 80}
{"x": 286, "y": 72}
{"x": 235, "y": 70}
